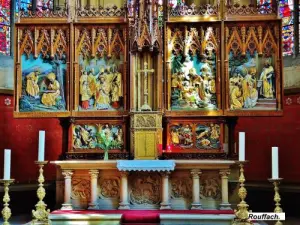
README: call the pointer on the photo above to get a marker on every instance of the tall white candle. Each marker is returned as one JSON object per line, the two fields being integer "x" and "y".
{"x": 275, "y": 171}
{"x": 7, "y": 154}
{"x": 41, "y": 156}
{"x": 241, "y": 146}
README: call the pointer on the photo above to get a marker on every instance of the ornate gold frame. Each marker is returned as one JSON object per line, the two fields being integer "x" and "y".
{"x": 191, "y": 113}
{"x": 76, "y": 73}
{"x": 36, "y": 49}
{"x": 194, "y": 123}
{"x": 73, "y": 150}
{"x": 277, "y": 45}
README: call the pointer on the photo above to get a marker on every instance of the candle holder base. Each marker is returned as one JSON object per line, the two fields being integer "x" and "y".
{"x": 40, "y": 215}
{"x": 277, "y": 198}
{"x": 6, "y": 212}
{"x": 242, "y": 213}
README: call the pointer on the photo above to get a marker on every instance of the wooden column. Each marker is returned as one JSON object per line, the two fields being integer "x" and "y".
{"x": 94, "y": 187}
{"x": 224, "y": 177}
{"x": 124, "y": 204}
{"x": 67, "y": 205}
{"x": 165, "y": 204}
{"x": 196, "y": 189}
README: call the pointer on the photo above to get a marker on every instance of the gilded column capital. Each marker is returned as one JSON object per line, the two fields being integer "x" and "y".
{"x": 165, "y": 174}
{"x": 94, "y": 173}
{"x": 67, "y": 173}
{"x": 196, "y": 173}
{"x": 124, "y": 173}
{"x": 224, "y": 173}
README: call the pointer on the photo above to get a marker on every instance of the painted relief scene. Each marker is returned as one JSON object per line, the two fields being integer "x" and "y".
{"x": 43, "y": 73}
{"x": 101, "y": 68}
{"x": 98, "y": 136}
{"x": 193, "y": 59}
{"x": 195, "y": 136}
{"x": 208, "y": 136}
{"x": 252, "y": 75}
{"x": 181, "y": 136}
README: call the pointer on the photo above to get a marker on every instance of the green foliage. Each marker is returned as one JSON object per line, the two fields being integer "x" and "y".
{"x": 107, "y": 143}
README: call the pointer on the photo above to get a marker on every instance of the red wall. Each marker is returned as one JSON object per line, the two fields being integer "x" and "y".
{"x": 21, "y": 135}
{"x": 264, "y": 132}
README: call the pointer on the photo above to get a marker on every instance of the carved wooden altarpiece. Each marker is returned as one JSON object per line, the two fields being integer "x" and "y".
{"x": 100, "y": 67}
{"x": 166, "y": 65}
{"x": 42, "y": 71}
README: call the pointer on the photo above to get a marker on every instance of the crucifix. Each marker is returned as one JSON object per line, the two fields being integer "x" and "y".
{"x": 145, "y": 106}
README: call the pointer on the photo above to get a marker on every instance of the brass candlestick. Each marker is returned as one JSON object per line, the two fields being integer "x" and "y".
{"x": 277, "y": 199}
{"x": 40, "y": 215}
{"x": 242, "y": 213}
{"x": 6, "y": 212}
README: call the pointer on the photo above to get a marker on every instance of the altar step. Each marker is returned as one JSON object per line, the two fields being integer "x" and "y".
{"x": 142, "y": 217}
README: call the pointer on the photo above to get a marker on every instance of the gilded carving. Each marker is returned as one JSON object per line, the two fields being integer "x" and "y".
{"x": 109, "y": 187}
{"x": 101, "y": 55}
{"x": 210, "y": 188}
{"x": 146, "y": 189}
{"x": 81, "y": 189}
{"x": 181, "y": 187}
{"x": 146, "y": 121}
{"x": 252, "y": 71}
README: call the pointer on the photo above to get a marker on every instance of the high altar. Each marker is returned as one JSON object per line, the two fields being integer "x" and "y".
{"x": 148, "y": 93}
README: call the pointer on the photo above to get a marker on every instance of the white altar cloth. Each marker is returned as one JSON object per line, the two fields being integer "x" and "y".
{"x": 145, "y": 165}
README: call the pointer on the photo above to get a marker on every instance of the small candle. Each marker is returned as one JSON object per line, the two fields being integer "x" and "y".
{"x": 7, "y": 154}
{"x": 241, "y": 146}
{"x": 41, "y": 156}
{"x": 275, "y": 171}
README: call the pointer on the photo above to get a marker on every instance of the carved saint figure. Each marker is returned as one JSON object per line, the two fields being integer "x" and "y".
{"x": 267, "y": 88}
{"x": 175, "y": 136}
{"x": 236, "y": 98}
{"x": 250, "y": 94}
{"x": 53, "y": 92}
{"x": 32, "y": 87}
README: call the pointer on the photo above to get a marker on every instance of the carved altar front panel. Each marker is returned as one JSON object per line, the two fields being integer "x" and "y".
{"x": 90, "y": 136}
{"x": 144, "y": 190}
{"x": 181, "y": 191}
{"x": 42, "y": 71}
{"x": 210, "y": 189}
{"x": 100, "y": 70}
{"x": 253, "y": 68}
{"x": 193, "y": 69}
{"x": 81, "y": 189}
{"x": 109, "y": 189}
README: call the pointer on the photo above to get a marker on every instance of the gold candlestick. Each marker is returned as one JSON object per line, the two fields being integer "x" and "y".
{"x": 277, "y": 198}
{"x": 40, "y": 215}
{"x": 242, "y": 213}
{"x": 6, "y": 212}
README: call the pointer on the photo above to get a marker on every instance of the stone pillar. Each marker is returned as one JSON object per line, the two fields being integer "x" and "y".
{"x": 165, "y": 204}
{"x": 224, "y": 177}
{"x": 67, "y": 205}
{"x": 196, "y": 189}
{"x": 124, "y": 204}
{"x": 94, "y": 188}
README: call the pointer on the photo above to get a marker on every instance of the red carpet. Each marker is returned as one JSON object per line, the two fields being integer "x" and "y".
{"x": 142, "y": 216}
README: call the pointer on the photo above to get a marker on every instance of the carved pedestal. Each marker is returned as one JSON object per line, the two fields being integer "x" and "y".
{"x": 146, "y": 134}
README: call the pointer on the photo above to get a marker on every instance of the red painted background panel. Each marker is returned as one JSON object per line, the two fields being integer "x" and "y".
{"x": 21, "y": 135}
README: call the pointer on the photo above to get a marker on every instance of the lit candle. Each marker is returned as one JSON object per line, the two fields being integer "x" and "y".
{"x": 275, "y": 173}
{"x": 241, "y": 146}
{"x": 41, "y": 156}
{"x": 7, "y": 154}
